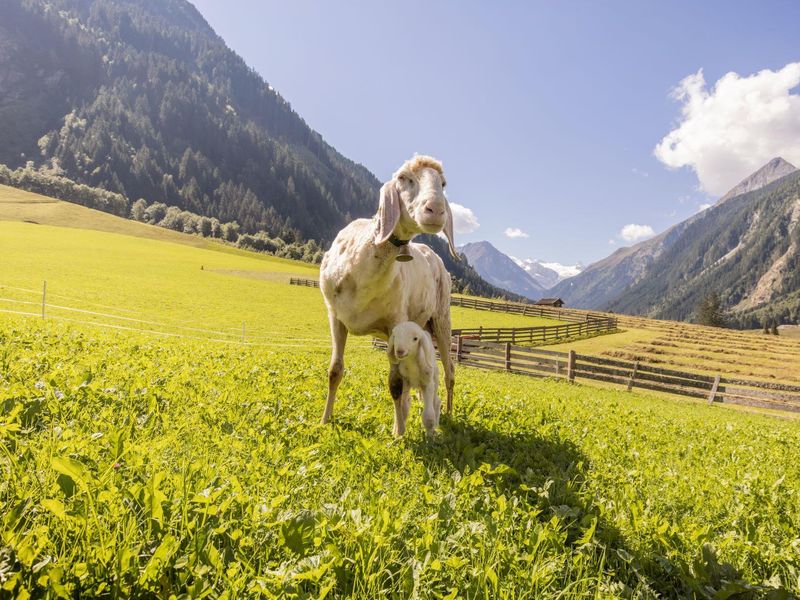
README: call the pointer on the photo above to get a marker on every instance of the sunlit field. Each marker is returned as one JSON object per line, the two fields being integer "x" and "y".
{"x": 160, "y": 455}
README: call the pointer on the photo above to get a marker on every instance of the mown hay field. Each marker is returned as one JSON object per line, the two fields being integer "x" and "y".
{"x": 695, "y": 348}
{"x": 137, "y": 464}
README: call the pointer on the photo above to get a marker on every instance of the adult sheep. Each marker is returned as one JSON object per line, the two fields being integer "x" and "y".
{"x": 368, "y": 291}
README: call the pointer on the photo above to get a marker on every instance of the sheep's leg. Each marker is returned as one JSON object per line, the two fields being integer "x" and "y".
{"x": 401, "y": 397}
{"x": 437, "y": 402}
{"x": 440, "y": 327}
{"x": 336, "y": 370}
{"x": 402, "y": 408}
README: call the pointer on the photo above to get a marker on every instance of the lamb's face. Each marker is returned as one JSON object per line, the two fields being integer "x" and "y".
{"x": 422, "y": 195}
{"x": 404, "y": 341}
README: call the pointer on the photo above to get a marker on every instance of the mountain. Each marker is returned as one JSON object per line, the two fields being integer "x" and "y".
{"x": 500, "y": 270}
{"x": 141, "y": 99}
{"x": 745, "y": 248}
{"x": 773, "y": 170}
{"x": 144, "y": 99}
{"x": 547, "y": 274}
{"x": 601, "y": 282}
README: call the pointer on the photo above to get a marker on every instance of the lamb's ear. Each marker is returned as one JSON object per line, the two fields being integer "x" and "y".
{"x": 388, "y": 212}
{"x": 448, "y": 231}
{"x": 390, "y": 351}
{"x": 425, "y": 349}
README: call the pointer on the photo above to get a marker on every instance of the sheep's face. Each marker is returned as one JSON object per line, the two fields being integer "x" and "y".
{"x": 422, "y": 198}
{"x": 413, "y": 202}
{"x": 404, "y": 341}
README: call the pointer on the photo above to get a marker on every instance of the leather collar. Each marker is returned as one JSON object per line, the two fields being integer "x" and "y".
{"x": 397, "y": 241}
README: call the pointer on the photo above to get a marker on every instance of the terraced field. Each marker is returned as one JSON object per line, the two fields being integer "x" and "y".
{"x": 701, "y": 349}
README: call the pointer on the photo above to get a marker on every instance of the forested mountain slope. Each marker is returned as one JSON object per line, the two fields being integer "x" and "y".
{"x": 743, "y": 248}
{"x": 143, "y": 98}
{"x": 746, "y": 249}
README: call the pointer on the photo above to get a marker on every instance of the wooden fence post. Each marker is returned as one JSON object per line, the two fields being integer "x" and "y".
{"x": 508, "y": 356}
{"x": 459, "y": 347}
{"x": 571, "y": 367}
{"x": 633, "y": 375}
{"x": 713, "y": 393}
{"x": 44, "y": 298}
{"x": 480, "y": 332}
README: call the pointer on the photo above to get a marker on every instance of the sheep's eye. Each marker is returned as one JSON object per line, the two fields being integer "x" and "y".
{"x": 415, "y": 339}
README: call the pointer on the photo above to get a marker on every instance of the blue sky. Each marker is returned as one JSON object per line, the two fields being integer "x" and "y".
{"x": 545, "y": 114}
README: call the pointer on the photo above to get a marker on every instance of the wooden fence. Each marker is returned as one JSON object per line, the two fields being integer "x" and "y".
{"x": 306, "y": 282}
{"x": 540, "y": 334}
{"x": 528, "y": 310}
{"x": 535, "y": 362}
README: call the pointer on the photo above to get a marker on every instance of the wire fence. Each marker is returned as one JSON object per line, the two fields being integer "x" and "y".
{"x": 110, "y": 318}
{"x": 466, "y": 350}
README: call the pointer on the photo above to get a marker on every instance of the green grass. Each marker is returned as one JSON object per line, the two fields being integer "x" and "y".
{"x": 134, "y": 466}
{"x": 137, "y": 465}
{"x": 176, "y": 285}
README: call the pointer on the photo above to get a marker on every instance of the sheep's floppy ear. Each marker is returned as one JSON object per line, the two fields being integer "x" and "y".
{"x": 388, "y": 212}
{"x": 448, "y": 231}
{"x": 390, "y": 351}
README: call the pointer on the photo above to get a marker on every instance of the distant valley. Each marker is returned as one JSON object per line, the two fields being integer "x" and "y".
{"x": 526, "y": 277}
{"x": 744, "y": 248}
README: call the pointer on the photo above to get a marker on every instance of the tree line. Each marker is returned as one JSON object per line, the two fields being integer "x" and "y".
{"x": 160, "y": 214}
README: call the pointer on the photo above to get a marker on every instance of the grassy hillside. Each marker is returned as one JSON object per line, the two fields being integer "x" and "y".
{"x": 175, "y": 288}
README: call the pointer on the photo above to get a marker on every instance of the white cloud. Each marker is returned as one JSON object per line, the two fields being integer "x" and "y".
{"x": 705, "y": 206}
{"x": 639, "y": 172}
{"x": 515, "y": 232}
{"x": 464, "y": 220}
{"x": 636, "y": 233}
{"x": 612, "y": 242}
{"x": 727, "y": 132}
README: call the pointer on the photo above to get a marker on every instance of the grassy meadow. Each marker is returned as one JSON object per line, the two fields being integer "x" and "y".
{"x": 141, "y": 465}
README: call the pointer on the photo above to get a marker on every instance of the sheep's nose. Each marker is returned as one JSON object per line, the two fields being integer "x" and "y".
{"x": 401, "y": 353}
{"x": 430, "y": 210}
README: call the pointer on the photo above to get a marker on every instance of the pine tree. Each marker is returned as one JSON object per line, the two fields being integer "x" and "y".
{"x": 710, "y": 311}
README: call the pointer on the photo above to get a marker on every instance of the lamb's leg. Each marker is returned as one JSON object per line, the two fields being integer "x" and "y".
{"x": 336, "y": 370}
{"x": 440, "y": 328}
{"x": 430, "y": 412}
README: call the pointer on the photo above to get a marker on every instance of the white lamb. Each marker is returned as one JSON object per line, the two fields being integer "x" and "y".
{"x": 411, "y": 349}
{"x": 368, "y": 291}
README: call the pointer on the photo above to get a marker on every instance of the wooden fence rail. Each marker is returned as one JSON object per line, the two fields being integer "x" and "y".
{"x": 535, "y": 362}
{"x": 540, "y": 334}
{"x": 528, "y": 310}
{"x": 306, "y": 282}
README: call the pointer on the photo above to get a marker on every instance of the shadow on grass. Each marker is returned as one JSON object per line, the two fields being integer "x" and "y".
{"x": 551, "y": 475}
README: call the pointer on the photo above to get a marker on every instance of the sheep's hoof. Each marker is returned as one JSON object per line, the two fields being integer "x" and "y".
{"x": 403, "y": 254}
